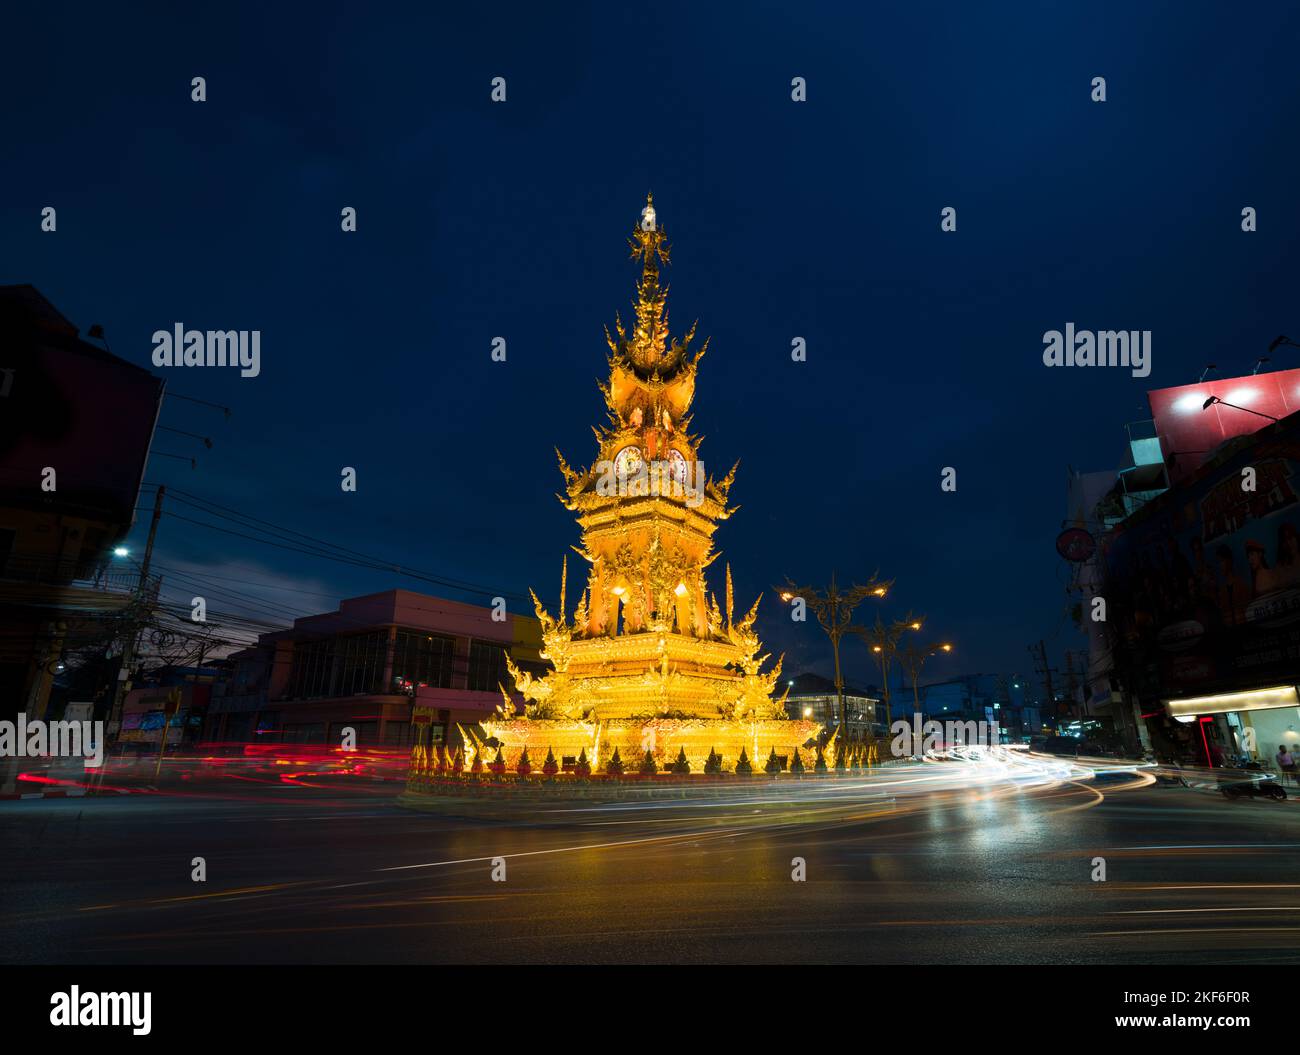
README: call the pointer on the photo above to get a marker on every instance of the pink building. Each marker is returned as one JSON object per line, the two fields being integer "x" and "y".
{"x": 376, "y": 665}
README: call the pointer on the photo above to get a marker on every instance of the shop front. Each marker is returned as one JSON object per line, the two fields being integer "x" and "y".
{"x": 1241, "y": 726}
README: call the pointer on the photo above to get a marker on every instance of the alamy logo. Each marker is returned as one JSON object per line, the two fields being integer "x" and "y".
{"x": 76, "y": 1008}
{"x": 37, "y": 738}
{"x": 1131, "y": 348}
{"x": 181, "y": 347}
{"x": 919, "y": 737}
{"x": 674, "y": 478}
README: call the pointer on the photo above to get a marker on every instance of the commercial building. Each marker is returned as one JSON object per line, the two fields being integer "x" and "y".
{"x": 814, "y": 698}
{"x": 76, "y": 423}
{"x": 171, "y": 701}
{"x": 379, "y": 665}
{"x": 1198, "y": 581}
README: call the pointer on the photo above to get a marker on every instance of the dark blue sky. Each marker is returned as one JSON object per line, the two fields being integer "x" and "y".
{"x": 818, "y": 220}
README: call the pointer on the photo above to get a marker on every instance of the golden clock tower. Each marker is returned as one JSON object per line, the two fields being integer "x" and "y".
{"x": 648, "y": 643}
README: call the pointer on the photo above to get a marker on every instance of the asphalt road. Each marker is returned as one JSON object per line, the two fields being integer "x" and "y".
{"x": 956, "y": 862}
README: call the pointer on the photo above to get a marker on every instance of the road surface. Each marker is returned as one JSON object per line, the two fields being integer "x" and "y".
{"x": 972, "y": 861}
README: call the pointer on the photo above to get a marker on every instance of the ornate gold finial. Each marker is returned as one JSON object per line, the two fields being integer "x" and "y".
{"x": 650, "y": 335}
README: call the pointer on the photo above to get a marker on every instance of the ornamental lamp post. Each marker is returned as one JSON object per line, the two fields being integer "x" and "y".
{"x": 882, "y": 639}
{"x": 913, "y": 659}
{"x": 834, "y": 610}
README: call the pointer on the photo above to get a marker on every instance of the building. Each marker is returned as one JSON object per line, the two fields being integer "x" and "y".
{"x": 171, "y": 701}
{"x": 379, "y": 665}
{"x": 1197, "y": 585}
{"x": 76, "y": 424}
{"x": 814, "y": 698}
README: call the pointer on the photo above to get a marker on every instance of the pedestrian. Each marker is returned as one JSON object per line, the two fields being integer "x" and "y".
{"x": 1286, "y": 762}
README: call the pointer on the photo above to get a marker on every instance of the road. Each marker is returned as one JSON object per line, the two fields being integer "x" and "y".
{"x": 945, "y": 862}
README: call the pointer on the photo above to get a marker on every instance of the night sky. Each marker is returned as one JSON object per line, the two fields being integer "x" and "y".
{"x": 819, "y": 220}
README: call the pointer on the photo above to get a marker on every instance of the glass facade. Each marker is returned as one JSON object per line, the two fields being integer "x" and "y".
{"x": 313, "y": 668}
{"x": 361, "y": 663}
{"x": 487, "y": 667}
{"x": 422, "y": 659}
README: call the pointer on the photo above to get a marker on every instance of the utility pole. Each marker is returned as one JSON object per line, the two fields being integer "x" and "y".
{"x": 128, "y": 653}
{"x": 1044, "y": 670}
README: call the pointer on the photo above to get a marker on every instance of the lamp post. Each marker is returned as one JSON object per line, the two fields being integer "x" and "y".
{"x": 882, "y": 639}
{"x": 913, "y": 659}
{"x": 834, "y": 611}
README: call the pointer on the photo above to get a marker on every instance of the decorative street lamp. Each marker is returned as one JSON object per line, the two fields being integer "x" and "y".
{"x": 834, "y": 611}
{"x": 913, "y": 659}
{"x": 882, "y": 639}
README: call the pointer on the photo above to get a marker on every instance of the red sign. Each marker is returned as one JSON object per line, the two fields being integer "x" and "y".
{"x": 1192, "y": 431}
{"x": 1075, "y": 545}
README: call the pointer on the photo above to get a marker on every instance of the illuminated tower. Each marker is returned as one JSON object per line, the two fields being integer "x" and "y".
{"x": 647, "y": 639}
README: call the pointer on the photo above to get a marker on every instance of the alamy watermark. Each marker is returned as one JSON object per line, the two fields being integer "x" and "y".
{"x": 75, "y": 1008}
{"x": 666, "y": 478}
{"x": 181, "y": 347}
{"x": 920, "y": 737}
{"x": 1125, "y": 348}
{"x": 38, "y": 738}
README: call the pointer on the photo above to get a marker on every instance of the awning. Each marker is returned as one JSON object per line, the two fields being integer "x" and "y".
{"x": 1251, "y": 700}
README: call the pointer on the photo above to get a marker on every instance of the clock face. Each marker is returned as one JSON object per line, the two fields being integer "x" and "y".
{"x": 677, "y": 467}
{"x": 628, "y": 462}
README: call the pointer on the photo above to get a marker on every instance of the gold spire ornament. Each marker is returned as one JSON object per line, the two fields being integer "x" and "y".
{"x": 647, "y": 657}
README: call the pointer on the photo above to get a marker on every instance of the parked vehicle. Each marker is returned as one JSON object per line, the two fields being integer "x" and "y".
{"x": 1253, "y": 783}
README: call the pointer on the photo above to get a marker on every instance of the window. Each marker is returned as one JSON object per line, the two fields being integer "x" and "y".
{"x": 422, "y": 659}
{"x": 311, "y": 673}
{"x": 487, "y": 667}
{"x": 361, "y": 662}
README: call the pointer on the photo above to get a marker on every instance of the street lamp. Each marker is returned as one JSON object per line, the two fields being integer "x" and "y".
{"x": 913, "y": 659}
{"x": 834, "y": 611}
{"x": 1223, "y": 402}
{"x": 882, "y": 639}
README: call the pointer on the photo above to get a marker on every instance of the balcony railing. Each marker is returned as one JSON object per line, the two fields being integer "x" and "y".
{"x": 44, "y": 571}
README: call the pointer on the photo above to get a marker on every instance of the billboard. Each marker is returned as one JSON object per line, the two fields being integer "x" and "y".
{"x": 1203, "y": 586}
{"x": 1192, "y": 432}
